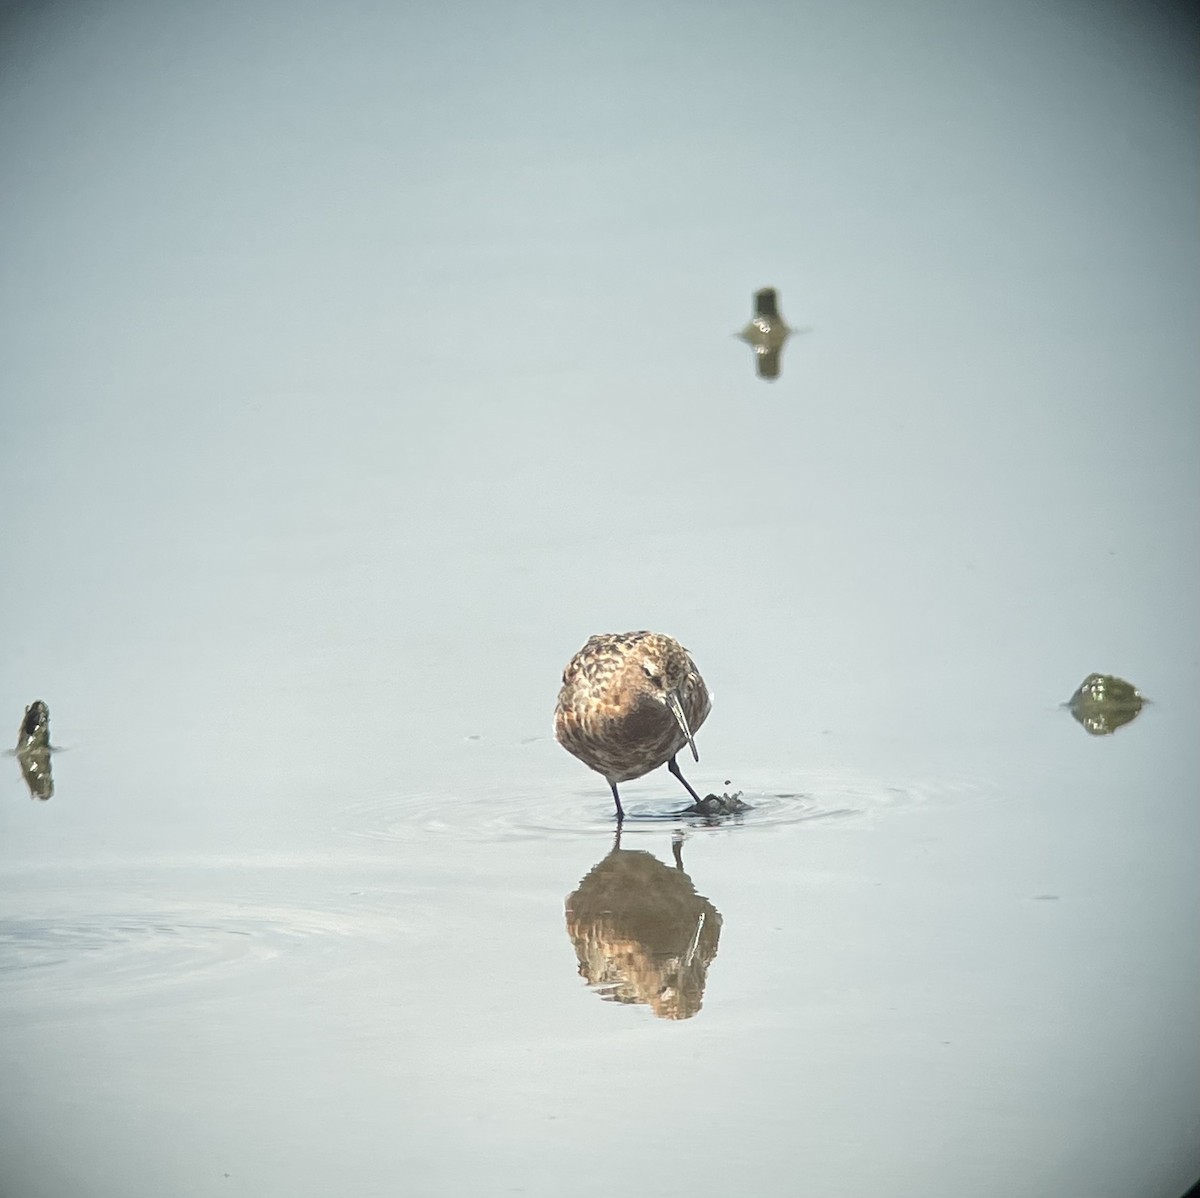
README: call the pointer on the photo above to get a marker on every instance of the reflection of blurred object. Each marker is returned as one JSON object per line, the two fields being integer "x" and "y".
{"x": 1103, "y": 703}
{"x": 35, "y": 769}
{"x": 766, "y": 333}
{"x": 642, "y": 934}
{"x": 33, "y": 750}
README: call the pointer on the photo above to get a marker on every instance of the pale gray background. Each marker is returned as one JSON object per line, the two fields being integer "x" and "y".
{"x": 359, "y": 360}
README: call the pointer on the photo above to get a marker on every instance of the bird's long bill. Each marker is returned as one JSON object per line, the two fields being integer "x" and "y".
{"x": 677, "y": 711}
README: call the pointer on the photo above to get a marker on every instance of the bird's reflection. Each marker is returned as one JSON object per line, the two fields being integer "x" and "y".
{"x": 1102, "y": 704}
{"x": 33, "y": 750}
{"x": 767, "y": 333}
{"x": 641, "y": 932}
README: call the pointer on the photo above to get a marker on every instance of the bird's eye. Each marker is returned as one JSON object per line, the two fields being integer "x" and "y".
{"x": 651, "y": 672}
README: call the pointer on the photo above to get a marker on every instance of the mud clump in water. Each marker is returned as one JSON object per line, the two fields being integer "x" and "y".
{"x": 717, "y": 805}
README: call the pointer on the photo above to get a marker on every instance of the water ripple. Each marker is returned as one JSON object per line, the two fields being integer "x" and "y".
{"x": 123, "y": 956}
{"x": 542, "y": 812}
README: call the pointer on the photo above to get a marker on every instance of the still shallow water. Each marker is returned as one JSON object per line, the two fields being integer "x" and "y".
{"x": 361, "y": 364}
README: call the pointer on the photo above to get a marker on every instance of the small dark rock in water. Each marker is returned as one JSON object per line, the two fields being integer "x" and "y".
{"x": 34, "y": 732}
{"x": 718, "y": 805}
{"x": 1103, "y": 703}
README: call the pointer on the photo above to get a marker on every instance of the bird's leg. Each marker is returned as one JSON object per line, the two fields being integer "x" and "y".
{"x": 617, "y": 800}
{"x": 673, "y": 766}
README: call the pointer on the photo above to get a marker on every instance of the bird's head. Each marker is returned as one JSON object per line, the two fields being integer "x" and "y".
{"x": 661, "y": 671}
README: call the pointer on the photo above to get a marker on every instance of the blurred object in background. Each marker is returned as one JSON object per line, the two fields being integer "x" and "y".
{"x": 767, "y": 333}
{"x": 33, "y": 750}
{"x": 1103, "y": 703}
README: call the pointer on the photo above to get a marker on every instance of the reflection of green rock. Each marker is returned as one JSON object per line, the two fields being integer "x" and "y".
{"x": 1102, "y": 704}
{"x": 35, "y": 769}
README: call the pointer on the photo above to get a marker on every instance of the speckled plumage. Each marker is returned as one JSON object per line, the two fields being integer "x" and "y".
{"x": 629, "y": 702}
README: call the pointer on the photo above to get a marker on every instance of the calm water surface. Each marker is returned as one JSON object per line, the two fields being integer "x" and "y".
{"x": 359, "y": 363}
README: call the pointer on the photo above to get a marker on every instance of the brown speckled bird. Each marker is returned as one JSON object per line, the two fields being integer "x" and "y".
{"x": 629, "y": 702}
